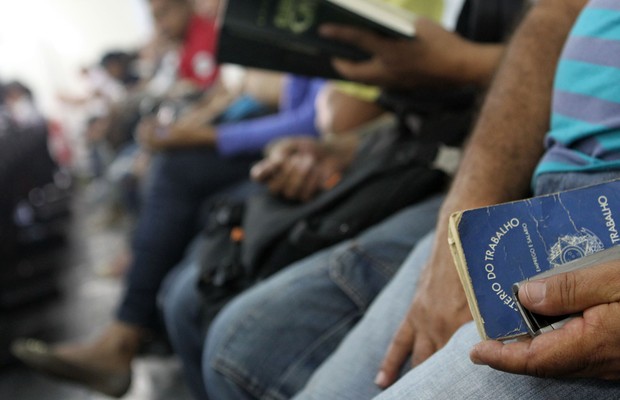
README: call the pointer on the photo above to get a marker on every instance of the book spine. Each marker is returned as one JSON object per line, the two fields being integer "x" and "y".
{"x": 460, "y": 263}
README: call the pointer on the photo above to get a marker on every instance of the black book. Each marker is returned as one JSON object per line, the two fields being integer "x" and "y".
{"x": 283, "y": 35}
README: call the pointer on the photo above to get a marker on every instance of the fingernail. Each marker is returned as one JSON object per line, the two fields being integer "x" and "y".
{"x": 535, "y": 292}
{"x": 380, "y": 379}
{"x": 473, "y": 356}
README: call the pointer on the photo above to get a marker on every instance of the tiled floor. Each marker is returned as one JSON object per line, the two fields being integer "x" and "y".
{"x": 83, "y": 303}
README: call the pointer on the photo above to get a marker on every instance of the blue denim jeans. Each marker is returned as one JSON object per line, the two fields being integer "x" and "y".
{"x": 349, "y": 373}
{"x": 179, "y": 183}
{"x": 181, "y": 303}
{"x": 267, "y": 342}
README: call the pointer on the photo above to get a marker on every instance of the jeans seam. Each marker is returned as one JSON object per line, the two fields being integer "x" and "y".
{"x": 244, "y": 379}
{"x": 231, "y": 371}
{"x": 334, "y": 328}
{"x": 226, "y": 369}
{"x": 341, "y": 280}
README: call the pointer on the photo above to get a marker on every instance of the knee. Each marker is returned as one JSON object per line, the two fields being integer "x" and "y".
{"x": 219, "y": 385}
{"x": 170, "y": 303}
{"x": 219, "y": 380}
{"x": 179, "y": 297}
{"x": 216, "y": 384}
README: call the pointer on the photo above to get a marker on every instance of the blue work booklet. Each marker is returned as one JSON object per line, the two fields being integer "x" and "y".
{"x": 497, "y": 246}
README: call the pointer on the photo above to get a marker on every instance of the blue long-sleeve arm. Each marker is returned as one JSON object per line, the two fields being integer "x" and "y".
{"x": 296, "y": 117}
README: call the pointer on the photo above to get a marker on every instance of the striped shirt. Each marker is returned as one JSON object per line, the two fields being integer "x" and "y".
{"x": 585, "y": 120}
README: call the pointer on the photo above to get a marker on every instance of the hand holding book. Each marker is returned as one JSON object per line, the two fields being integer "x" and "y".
{"x": 304, "y": 37}
{"x": 586, "y": 347}
{"x": 435, "y": 56}
{"x": 283, "y": 34}
{"x": 574, "y": 231}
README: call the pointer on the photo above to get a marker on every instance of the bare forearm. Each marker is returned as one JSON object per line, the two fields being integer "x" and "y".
{"x": 213, "y": 104}
{"x": 264, "y": 86}
{"x": 338, "y": 112}
{"x": 505, "y": 148}
{"x": 507, "y": 141}
{"x": 479, "y": 64}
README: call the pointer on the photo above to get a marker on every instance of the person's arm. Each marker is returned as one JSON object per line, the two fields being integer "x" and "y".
{"x": 505, "y": 147}
{"x": 435, "y": 57}
{"x": 190, "y": 130}
{"x": 251, "y": 135}
{"x": 339, "y": 112}
{"x": 294, "y": 119}
{"x": 300, "y": 168}
{"x": 265, "y": 86}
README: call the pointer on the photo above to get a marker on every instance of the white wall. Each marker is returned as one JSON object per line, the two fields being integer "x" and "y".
{"x": 45, "y": 42}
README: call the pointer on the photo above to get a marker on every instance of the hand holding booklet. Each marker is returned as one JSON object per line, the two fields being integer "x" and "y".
{"x": 497, "y": 246}
{"x": 284, "y": 35}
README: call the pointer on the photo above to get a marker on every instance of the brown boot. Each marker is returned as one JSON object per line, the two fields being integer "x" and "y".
{"x": 103, "y": 365}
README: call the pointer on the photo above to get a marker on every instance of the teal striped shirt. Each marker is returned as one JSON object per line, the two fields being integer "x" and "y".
{"x": 585, "y": 120}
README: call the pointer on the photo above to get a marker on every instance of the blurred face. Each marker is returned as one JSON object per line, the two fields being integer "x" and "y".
{"x": 207, "y": 8}
{"x": 171, "y": 17}
{"x": 115, "y": 70}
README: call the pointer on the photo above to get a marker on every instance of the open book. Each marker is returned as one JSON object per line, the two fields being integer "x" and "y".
{"x": 283, "y": 35}
{"x": 497, "y": 246}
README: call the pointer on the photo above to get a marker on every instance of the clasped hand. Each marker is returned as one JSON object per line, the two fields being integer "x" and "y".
{"x": 299, "y": 168}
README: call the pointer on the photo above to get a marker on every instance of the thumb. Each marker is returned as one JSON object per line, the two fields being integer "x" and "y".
{"x": 573, "y": 291}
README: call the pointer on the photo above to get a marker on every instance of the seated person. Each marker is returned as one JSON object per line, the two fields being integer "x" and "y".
{"x": 422, "y": 320}
{"x": 195, "y": 162}
{"x": 329, "y": 291}
{"x": 177, "y": 21}
{"x": 20, "y": 105}
{"x": 190, "y": 40}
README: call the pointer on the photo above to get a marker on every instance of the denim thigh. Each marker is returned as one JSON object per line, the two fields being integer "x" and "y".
{"x": 348, "y": 374}
{"x": 268, "y": 342}
{"x": 431, "y": 379}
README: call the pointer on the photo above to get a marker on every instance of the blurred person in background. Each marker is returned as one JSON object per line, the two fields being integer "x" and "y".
{"x": 21, "y": 106}
{"x": 195, "y": 162}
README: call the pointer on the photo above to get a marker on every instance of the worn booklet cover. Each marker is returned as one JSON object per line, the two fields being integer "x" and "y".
{"x": 494, "y": 247}
{"x": 283, "y": 34}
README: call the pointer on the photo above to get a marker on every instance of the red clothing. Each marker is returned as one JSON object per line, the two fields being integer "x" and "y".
{"x": 197, "y": 62}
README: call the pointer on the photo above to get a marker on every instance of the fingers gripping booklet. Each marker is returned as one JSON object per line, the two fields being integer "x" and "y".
{"x": 494, "y": 247}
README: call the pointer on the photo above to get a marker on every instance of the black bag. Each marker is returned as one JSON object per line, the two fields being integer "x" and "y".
{"x": 221, "y": 273}
{"x": 389, "y": 173}
{"x": 249, "y": 242}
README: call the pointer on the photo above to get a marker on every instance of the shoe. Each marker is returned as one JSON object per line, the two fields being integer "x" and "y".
{"x": 40, "y": 356}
